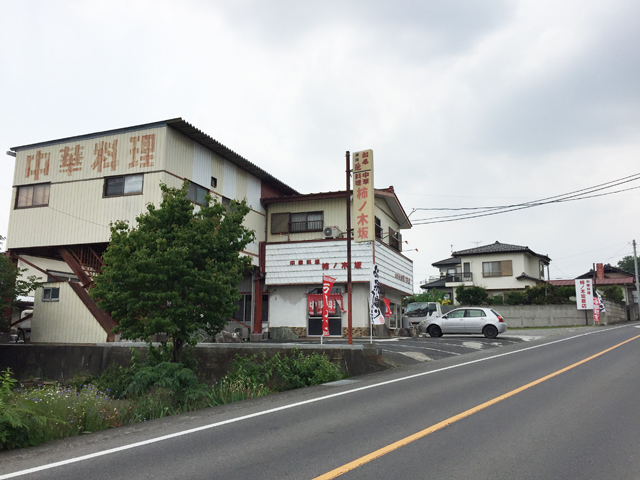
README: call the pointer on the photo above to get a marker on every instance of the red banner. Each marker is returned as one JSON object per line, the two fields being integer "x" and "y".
{"x": 327, "y": 285}
{"x": 387, "y": 310}
{"x": 596, "y": 310}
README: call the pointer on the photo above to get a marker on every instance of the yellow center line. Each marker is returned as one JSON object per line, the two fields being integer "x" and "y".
{"x": 423, "y": 433}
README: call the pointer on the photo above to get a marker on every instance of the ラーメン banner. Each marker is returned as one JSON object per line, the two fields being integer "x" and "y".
{"x": 327, "y": 285}
{"x": 363, "y": 196}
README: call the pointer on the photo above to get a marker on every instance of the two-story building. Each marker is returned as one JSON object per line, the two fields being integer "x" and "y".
{"x": 498, "y": 267}
{"x": 306, "y": 239}
{"x": 66, "y": 192}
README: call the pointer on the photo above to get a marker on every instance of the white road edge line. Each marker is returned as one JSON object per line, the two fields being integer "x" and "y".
{"x": 278, "y": 409}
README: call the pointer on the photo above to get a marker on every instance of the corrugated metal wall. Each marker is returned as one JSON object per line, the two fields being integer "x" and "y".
{"x": 64, "y": 321}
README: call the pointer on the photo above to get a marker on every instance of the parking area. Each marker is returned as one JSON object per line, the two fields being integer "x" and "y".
{"x": 403, "y": 351}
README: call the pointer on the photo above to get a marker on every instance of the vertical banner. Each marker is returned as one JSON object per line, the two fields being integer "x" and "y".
{"x": 387, "y": 305}
{"x": 363, "y": 197}
{"x": 327, "y": 285}
{"x": 596, "y": 311}
{"x": 374, "y": 297}
{"x": 601, "y": 302}
{"x": 584, "y": 294}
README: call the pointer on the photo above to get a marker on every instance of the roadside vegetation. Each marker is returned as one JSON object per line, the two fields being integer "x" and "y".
{"x": 150, "y": 388}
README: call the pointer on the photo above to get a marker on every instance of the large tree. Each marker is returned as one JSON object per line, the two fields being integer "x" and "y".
{"x": 177, "y": 272}
{"x": 627, "y": 264}
{"x": 12, "y": 286}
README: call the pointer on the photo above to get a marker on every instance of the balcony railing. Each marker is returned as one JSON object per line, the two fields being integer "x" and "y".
{"x": 459, "y": 277}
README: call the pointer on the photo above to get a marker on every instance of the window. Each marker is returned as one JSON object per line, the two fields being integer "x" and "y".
{"x": 214, "y": 182}
{"x": 33, "y": 195}
{"x": 306, "y": 222}
{"x": 123, "y": 185}
{"x": 63, "y": 276}
{"x": 378, "y": 228}
{"x": 475, "y": 313}
{"x": 51, "y": 294}
{"x": 542, "y": 270}
{"x": 395, "y": 240}
{"x": 497, "y": 269}
{"x": 297, "y": 222}
{"x": 196, "y": 194}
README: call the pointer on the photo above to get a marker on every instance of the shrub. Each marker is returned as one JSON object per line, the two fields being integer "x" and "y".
{"x": 612, "y": 292}
{"x": 497, "y": 300}
{"x": 473, "y": 295}
{"x": 514, "y": 298}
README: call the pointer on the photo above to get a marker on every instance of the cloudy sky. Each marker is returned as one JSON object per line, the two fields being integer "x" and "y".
{"x": 465, "y": 103}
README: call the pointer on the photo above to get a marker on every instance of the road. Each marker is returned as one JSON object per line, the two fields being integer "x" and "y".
{"x": 557, "y": 407}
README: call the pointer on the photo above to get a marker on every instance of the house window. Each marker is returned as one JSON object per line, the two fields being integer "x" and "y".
{"x": 197, "y": 194}
{"x": 53, "y": 276}
{"x": 50, "y": 294}
{"x": 378, "y": 228}
{"x": 33, "y": 195}
{"x": 214, "y": 182}
{"x": 542, "y": 270}
{"x": 395, "y": 240}
{"x": 243, "y": 309}
{"x": 297, "y": 222}
{"x": 497, "y": 269}
{"x": 123, "y": 185}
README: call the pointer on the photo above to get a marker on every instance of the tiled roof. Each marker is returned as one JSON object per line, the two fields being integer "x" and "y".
{"x": 436, "y": 283}
{"x": 600, "y": 281}
{"x": 498, "y": 247}
{"x": 447, "y": 261}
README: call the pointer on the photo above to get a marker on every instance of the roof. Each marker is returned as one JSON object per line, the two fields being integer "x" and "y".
{"x": 441, "y": 282}
{"x": 607, "y": 268}
{"x": 191, "y": 132}
{"x": 601, "y": 281}
{"x": 388, "y": 194}
{"x": 524, "y": 276}
{"x": 498, "y": 247}
{"x": 446, "y": 261}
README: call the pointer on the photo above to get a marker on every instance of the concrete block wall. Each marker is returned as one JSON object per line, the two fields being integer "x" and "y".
{"x": 517, "y": 316}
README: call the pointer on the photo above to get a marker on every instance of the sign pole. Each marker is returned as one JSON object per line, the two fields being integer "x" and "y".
{"x": 348, "y": 195}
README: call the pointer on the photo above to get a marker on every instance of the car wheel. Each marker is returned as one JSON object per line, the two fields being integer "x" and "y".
{"x": 490, "y": 331}
{"x": 434, "y": 331}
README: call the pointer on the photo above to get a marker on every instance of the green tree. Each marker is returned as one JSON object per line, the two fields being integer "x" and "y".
{"x": 12, "y": 286}
{"x": 612, "y": 292}
{"x": 177, "y": 272}
{"x": 473, "y": 295}
{"x": 627, "y": 264}
{"x": 432, "y": 296}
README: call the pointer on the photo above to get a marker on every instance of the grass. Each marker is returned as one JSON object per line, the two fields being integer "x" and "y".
{"x": 147, "y": 390}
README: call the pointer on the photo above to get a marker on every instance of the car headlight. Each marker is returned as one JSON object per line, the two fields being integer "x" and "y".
{"x": 422, "y": 322}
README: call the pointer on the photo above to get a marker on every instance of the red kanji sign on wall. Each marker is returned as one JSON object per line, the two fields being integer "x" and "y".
{"x": 363, "y": 199}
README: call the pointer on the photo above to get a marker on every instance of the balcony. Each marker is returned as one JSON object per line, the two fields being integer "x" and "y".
{"x": 463, "y": 277}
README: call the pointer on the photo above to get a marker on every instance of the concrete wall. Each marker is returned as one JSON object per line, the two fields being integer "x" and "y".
{"x": 517, "y": 316}
{"x": 63, "y": 362}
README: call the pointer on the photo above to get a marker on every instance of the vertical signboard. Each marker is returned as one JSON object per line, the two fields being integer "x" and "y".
{"x": 584, "y": 294}
{"x": 374, "y": 297}
{"x": 363, "y": 196}
{"x": 599, "y": 271}
{"x": 327, "y": 285}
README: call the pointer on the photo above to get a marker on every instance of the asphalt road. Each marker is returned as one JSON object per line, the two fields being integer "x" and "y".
{"x": 524, "y": 409}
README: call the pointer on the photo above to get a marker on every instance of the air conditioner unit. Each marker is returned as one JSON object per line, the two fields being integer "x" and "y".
{"x": 331, "y": 232}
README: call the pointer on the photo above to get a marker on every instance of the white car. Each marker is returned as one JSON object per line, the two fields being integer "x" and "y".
{"x": 465, "y": 320}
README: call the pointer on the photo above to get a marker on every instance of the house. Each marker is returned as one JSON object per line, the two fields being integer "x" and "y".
{"x": 306, "y": 239}
{"x": 67, "y": 191}
{"x": 607, "y": 275}
{"x": 494, "y": 267}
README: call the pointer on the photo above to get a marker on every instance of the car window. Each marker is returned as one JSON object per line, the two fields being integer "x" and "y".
{"x": 475, "y": 313}
{"x": 455, "y": 314}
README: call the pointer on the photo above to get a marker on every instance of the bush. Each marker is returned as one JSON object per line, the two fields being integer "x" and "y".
{"x": 497, "y": 300}
{"x": 473, "y": 295}
{"x": 612, "y": 292}
{"x": 514, "y": 298}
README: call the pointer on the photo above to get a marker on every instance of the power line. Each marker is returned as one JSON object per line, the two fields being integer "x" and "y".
{"x": 581, "y": 194}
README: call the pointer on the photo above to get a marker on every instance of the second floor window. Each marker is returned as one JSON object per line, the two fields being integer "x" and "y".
{"x": 123, "y": 185}
{"x": 297, "y": 222}
{"x": 378, "y": 228}
{"x": 196, "y": 194}
{"x": 33, "y": 195}
{"x": 497, "y": 269}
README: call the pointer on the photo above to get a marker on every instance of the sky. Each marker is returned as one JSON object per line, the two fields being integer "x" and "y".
{"x": 465, "y": 104}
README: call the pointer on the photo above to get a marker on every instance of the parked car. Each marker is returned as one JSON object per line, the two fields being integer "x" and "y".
{"x": 465, "y": 320}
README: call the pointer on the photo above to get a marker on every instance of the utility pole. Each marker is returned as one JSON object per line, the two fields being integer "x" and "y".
{"x": 635, "y": 264}
{"x": 349, "y": 301}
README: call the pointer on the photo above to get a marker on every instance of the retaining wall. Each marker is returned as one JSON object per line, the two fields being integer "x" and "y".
{"x": 62, "y": 362}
